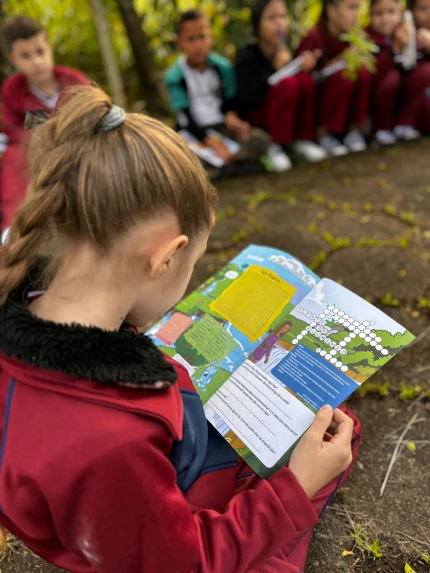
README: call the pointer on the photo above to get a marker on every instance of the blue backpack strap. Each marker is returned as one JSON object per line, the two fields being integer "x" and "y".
{"x": 202, "y": 449}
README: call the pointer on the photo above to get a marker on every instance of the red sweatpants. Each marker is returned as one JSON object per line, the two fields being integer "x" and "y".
{"x": 415, "y": 98}
{"x": 343, "y": 103}
{"x": 295, "y": 562}
{"x": 385, "y": 94}
{"x": 288, "y": 112}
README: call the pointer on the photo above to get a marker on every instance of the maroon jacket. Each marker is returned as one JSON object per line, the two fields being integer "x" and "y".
{"x": 89, "y": 420}
{"x": 17, "y": 100}
{"x": 318, "y": 38}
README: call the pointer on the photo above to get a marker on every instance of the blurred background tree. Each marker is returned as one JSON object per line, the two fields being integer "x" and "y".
{"x": 143, "y": 34}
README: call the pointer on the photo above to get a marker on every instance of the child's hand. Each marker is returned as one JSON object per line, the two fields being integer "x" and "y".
{"x": 324, "y": 452}
{"x": 423, "y": 37}
{"x": 241, "y": 129}
{"x": 220, "y": 149}
{"x": 282, "y": 57}
{"x": 401, "y": 38}
{"x": 310, "y": 60}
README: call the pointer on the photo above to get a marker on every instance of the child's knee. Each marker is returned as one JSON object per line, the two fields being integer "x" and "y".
{"x": 307, "y": 82}
{"x": 258, "y": 142}
{"x": 393, "y": 80}
{"x": 364, "y": 77}
{"x": 422, "y": 74}
{"x": 288, "y": 87}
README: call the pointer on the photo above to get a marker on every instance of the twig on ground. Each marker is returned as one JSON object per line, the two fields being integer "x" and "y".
{"x": 413, "y": 538}
{"x": 396, "y": 451}
{"x": 420, "y": 369}
{"x": 402, "y": 427}
{"x": 416, "y": 401}
{"x": 408, "y": 441}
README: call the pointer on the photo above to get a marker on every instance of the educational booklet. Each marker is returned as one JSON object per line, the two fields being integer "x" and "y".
{"x": 205, "y": 152}
{"x": 267, "y": 343}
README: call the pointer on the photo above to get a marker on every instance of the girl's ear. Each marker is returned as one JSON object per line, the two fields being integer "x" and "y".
{"x": 162, "y": 259}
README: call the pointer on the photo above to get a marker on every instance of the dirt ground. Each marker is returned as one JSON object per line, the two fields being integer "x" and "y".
{"x": 363, "y": 221}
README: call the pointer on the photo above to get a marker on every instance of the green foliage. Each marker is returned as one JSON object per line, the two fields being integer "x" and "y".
{"x": 336, "y": 242}
{"x": 388, "y": 300}
{"x": 362, "y": 541}
{"x": 318, "y": 260}
{"x": 410, "y": 392}
{"x": 380, "y": 389}
{"x": 256, "y": 199}
{"x": 361, "y": 53}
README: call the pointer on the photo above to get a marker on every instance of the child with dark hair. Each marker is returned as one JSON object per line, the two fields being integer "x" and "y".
{"x": 414, "y": 115}
{"x": 285, "y": 110}
{"x": 36, "y": 85}
{"x": 342, "y": 104}
{"x": 388, "y": 33}
{"x": 202, "y": 90}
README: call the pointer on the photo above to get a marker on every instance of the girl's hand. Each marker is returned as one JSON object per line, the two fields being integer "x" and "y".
{"x": 423, "y": 37}
{"x": 310, "y": 60}
{"x": 401, "y": 38}
{"x": 220, "y": 149}
{"x": 241, "y": 129}
{"x": 282, "y": 57}
{"x": 324, "y": 452}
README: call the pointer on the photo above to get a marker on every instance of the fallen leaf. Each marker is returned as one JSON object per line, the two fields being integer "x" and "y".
{"x": 347, "y": 553}
{"x": 408, "y": 569}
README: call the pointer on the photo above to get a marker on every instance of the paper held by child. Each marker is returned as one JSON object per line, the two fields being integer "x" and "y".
{"x": 205, "y": 152}
{"x": 409, "y": 54}
{"x": 267, "y": 343}
{"x": 291, "y": 69}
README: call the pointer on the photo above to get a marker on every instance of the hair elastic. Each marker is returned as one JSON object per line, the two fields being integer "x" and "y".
{"x": 114, "y": 118}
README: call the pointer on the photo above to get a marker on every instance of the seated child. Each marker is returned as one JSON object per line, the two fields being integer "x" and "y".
{"x": 36, "y": 85}
{"x": 285, "y": 110}
{"x": 385, "y": 20}
{"x": 342, "y": 104}
{"x": 106, "y": 460}
{"x": 202, "y": 90}
{"x": 414, "y": 114}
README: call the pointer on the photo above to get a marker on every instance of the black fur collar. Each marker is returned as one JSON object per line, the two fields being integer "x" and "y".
{"x": 120, "y": 358}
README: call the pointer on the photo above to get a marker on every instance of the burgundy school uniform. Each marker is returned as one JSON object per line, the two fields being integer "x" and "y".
{"x": 96, "y": 477}
{"x": 286, "y": 111}
{"x": 17, "y": 100}
{"x": 415, "y": 98}
{"x": 386, "y": 84}
{"x": 340, "y": 102}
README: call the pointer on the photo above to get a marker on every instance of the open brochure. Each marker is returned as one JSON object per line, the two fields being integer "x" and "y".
{"x": 205, "y": 152}
{"x": 267, "y": 343}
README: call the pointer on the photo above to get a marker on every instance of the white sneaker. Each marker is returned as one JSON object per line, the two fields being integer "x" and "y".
{"x": 355, "y": 141}
{"x": 332, "y": 146}
{"x": 309, "y": 151}
{"x": 384, "y": 138}
{"x": 406, "y": 133}
{"x": 279, "y": 160}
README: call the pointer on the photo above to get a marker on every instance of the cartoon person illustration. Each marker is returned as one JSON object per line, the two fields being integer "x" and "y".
{"x": 207, "y": 376}
{"x": 265, "y": 349}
